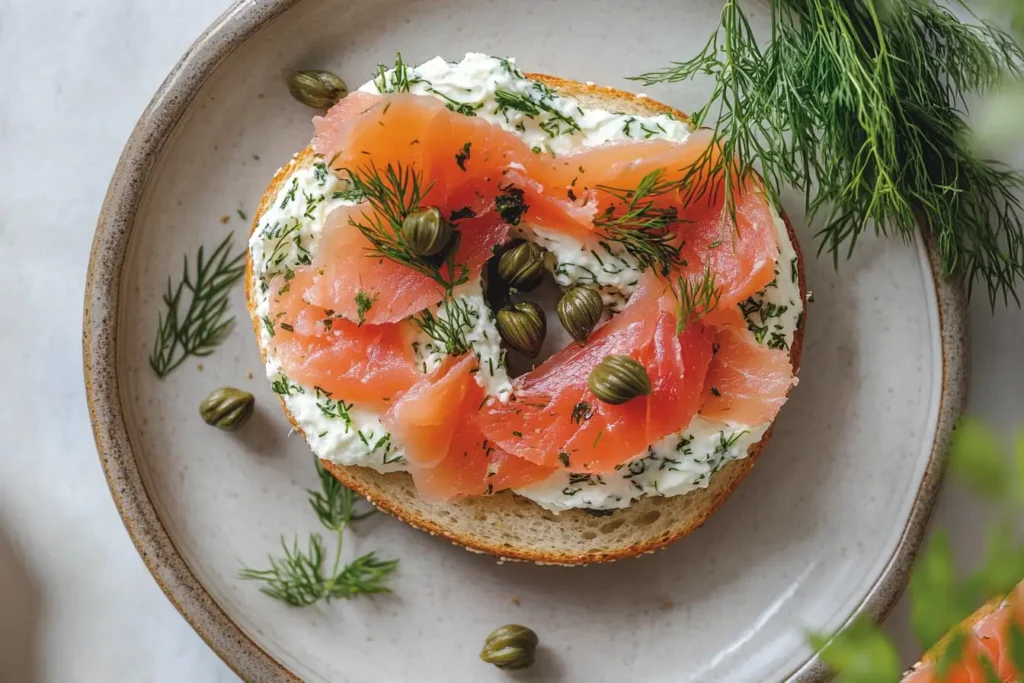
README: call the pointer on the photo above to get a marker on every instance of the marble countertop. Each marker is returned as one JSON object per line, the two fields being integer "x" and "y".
{"x": 76, "y": 602}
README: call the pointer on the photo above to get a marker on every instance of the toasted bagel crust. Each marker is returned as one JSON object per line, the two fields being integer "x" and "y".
{"x": 510, "y": 526}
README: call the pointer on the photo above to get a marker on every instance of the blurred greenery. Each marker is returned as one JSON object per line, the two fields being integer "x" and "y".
{"x": 976, "y": 456}
{"x": 938, "y": 601}
{"x": 997, "y": 119}
{"x": 861, "y": 655}
{"x": 939, "y": 598}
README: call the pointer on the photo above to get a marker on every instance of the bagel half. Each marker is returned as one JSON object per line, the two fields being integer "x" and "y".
{"x": 513, "y": 527}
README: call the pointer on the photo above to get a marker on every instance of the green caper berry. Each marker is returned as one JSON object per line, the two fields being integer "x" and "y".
{"x": 523, "y": 326}
{"x": 317, "y": 88}
{"x": 521, "y": 267}
{"x": 580, "y": 309}
{"x": 425, "y": 232}
{"x": 227, "y": 408}
{"x": 510, "y": 647}
{"x": 617, "y": 379}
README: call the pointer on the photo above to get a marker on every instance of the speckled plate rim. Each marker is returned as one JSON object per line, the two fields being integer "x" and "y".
{"x": 102, "y": 301}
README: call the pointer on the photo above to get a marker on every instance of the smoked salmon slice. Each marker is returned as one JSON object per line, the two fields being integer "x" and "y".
{"x": 555, "y": 421}
{"x": 458, "y": 165}
{"x": 347, "y": 279}
{"x": 368, "y": 365}
{"x": 746, "y": 383}
{"x": 449, "y": 457}
{"x": 587, "y": 191}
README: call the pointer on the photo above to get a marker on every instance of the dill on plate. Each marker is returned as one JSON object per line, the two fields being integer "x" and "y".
{"x": 198, "y": 328}
{"x": 861, "y": 105}
{"x": 297, "y": 576}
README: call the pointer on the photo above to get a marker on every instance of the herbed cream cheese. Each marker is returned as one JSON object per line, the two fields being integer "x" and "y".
{"x": 289, "y": 232}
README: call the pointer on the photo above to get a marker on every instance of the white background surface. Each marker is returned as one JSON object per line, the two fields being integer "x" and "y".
{"x": 76, "y": 602}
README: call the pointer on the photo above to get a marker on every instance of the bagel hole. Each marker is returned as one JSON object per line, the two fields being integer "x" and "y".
{"x": 545, "y": 295}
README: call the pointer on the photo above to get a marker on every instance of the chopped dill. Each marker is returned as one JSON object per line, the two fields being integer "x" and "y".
{"x": 364, "y": 303}
{"x": 510, "y": 204}
{"x": 459, "y": 214}
{"x": 581, "y": 412}
{"x": 462, "y": 156}
{"x": 557, "y": 124}
{"x": 395, "y": 81}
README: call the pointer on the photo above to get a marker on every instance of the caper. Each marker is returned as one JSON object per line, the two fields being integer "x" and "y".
{"x": 580, "y": 309}
{"x": 510, "y": 647}
{"x": 617, "y": 379}
{"x": 227, "y": 408}
{"x": 317, "y": 88}
{"x": 521, "y": 267}
{"x": 523, "y": 326}
{"x": 425, "y": 232}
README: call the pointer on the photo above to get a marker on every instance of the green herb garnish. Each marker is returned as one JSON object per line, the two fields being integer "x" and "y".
{"x": 462, "y": 156}
{"x": 364, "y": 302}
{"x": 511, "y": 204}
{"x": 448, "y": 328}
{"x": 201, "y": 327}
{"x": 699, "y": 295}
{"x": 298, "y": 578}
{"x": 873, "y": 130}
{"x": 397, "y": 81}
{"x": 393, "y": 194}
{"x": 557, "y": 124}
{"x": 640, "y": 225}
{"x": 581, "y": 412}
{"x": 459, "y": 214}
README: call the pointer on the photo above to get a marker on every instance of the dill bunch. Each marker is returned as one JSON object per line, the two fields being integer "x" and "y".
{"x": 861, "y": 105}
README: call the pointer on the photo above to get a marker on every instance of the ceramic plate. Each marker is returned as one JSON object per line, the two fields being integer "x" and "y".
{"x": 823, "y": 529}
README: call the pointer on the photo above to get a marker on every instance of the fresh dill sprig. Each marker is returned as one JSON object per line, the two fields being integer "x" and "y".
{"x": 695, "y": 296}
{"x": 448, "y": 328}
{"x": 298, "y": 578}
{"x": 396, "y": 80}
{"x": 464, "y": 108}
{"x": 861, "y": 106}
{"x": 202, "y": 326}
{"x": 393, "y": 194}
{"x": 557, "y": 124}
{"x": 640, "y": 225}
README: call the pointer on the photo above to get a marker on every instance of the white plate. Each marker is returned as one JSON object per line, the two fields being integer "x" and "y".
{"x": 824, "y": 528}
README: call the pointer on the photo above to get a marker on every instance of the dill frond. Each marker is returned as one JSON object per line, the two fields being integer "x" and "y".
{"x": 202, "y": 326}
{"x": 640, "y": 225}
{"x": 297, "y": 576}
{"x": 700, "y": 296}
{"x": 394, "y": 193}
